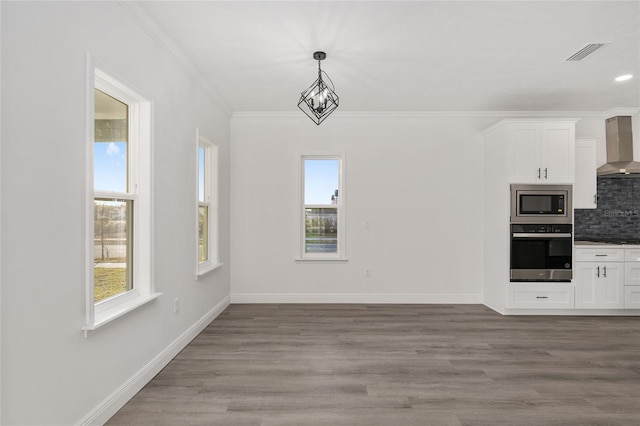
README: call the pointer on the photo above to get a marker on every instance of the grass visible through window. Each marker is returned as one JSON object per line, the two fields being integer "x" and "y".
{"x": 109, "y": 281}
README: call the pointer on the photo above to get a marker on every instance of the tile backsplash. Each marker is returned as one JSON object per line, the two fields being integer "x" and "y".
{"x": 618, "y": 214}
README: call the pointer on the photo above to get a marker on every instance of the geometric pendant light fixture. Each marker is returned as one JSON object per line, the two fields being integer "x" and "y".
{"x": 320, "y": 99}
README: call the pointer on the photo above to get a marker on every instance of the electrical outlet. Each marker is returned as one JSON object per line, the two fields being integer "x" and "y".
{"x": 367, "y": 272}
{"x": 176, "y": 305}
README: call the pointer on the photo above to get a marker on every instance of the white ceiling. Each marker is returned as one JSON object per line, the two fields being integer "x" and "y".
{"x": 408, "y": 56}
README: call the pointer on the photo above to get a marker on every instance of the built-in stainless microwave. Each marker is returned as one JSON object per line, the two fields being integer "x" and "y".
{"x": 541, "y": 204}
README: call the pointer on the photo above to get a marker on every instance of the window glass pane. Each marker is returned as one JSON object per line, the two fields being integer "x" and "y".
{"x": 201, "y": 151}
{"x": 321, "y": 181}
{"x": 203, "y": 233}
{"x": 110, "y": 148}
{"x": 112, "y": 250}
{"x": 321, "y": 230}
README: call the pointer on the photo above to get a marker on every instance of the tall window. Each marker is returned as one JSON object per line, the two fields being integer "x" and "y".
{"x": 203, "y": 204}
{"x": 113, "y": 202}
{"x": 322, "y": 213}
{"x": 119, "y": 216}
{"x": 207, "y": 206}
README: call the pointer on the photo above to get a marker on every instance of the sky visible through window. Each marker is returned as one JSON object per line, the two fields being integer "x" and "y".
{"x": 320, "y": 180}
{"x": 110, "y": 166}
{"x": 201, "y": 152}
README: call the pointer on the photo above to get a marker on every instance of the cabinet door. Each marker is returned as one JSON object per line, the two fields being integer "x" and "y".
{"x": 585, "y": 187}
{"x": 632, "y": 273}
{"x": 632, "y": 297}
{"x": 613, "y": 287}
{"x": 599, "y": 285}
{"x": 524, "y": 153}
{"x": 557, "y": 152}
{"x": 586, "y": 284}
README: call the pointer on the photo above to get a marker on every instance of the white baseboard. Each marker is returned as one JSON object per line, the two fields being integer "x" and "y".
{"x": 490, "y": 306}
{"x": 107, "y": 408}
{"x": 358, "y": 298}
{"x": 575, "y": 312}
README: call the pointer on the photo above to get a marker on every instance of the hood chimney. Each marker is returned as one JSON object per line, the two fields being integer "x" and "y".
{"x": 619, "y": 148}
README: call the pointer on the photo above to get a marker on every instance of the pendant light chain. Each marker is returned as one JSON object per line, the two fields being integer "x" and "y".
{"x": 319, "y": 100}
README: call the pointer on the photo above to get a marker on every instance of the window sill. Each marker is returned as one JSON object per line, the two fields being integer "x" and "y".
{"x": 320, "y": 260}
{"x": 118, "y": 311}
{"x": 205, "y": 269}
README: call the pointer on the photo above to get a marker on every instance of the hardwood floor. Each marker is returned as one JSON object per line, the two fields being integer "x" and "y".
{"x": 397, "y": 365}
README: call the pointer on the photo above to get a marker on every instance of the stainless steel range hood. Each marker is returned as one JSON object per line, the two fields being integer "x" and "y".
{"x": 619, "y": 148}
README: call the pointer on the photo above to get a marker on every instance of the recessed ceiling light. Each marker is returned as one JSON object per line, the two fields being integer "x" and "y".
{"x": 624, "y": 77}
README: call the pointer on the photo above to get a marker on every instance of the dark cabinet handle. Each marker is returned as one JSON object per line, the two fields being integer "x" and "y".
{"x": 545, "y": 173}
{"x": 598, "y": 273}
{"x": 539, "y": 173}
{"x": 604, "y": 274}
{"x": 542, "y": 297}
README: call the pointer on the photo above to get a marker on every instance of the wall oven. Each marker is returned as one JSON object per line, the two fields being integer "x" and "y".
{"x": 541, "y": 252}
{"x": 541, "y": 204}
{"x": 541, "y": 233}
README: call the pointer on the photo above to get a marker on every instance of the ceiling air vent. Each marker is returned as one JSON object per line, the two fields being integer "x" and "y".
{"x": 585, "y": 51}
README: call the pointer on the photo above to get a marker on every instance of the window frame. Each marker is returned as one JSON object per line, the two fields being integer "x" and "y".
{"x": 341, "y": 253}
{"x": 139, "y": 181}
{"x": 210, "y": 192}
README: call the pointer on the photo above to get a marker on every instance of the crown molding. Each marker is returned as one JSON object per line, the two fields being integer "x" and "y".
{"x": 444, "y": 114}
{"x": 149, "y": 25}
{"x": 621, "y": 111}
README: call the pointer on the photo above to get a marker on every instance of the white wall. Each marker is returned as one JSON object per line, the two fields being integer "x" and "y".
{"x": 51, "y": 373}
{"x": 417, "y": 179}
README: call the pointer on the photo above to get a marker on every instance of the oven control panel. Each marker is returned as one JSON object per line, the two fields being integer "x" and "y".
{"x": 540, "y": 228}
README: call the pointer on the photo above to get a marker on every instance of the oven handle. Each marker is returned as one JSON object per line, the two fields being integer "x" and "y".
{"x": 541, "y": 235}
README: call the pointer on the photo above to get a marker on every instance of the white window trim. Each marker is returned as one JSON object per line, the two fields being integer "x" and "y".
{"x": 140, "y": 190}
{"x": 341, "y": 255}
{"x": 211, "y": 191}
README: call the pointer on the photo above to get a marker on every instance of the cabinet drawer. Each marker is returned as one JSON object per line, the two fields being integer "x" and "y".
{"x": 632, "y": 297}
{"x": 599, "y": 255}
{"x": 632, "y": 255}
{"x": 541, "y": 296}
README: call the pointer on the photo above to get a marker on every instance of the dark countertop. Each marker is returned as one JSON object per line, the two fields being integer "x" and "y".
{"x": 612, "y": 244}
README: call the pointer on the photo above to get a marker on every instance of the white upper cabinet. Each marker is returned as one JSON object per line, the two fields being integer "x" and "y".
{"x": 558, "y": 146}
{"x": 541, "y": 152}
{"x": 585, "y": 187}
{"x": 524, "y": 152}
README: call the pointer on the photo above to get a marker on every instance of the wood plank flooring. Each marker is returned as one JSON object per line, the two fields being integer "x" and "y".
{"x": 449, "y": 365}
